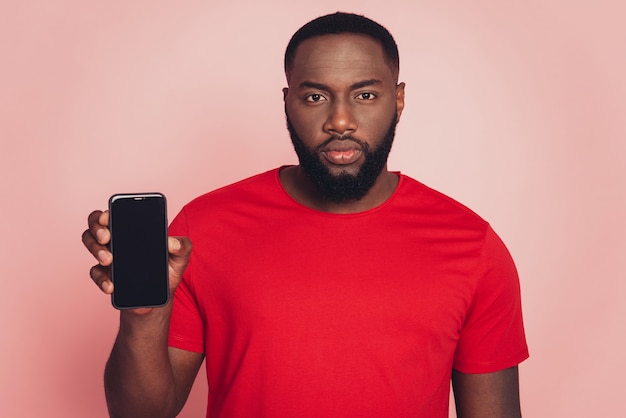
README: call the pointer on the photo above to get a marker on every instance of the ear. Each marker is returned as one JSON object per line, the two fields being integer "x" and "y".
{"x": 285, "y": 92}
{"x": 399, "y": 99}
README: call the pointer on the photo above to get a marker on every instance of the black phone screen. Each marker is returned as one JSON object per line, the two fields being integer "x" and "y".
{"x": 138, "y": 225}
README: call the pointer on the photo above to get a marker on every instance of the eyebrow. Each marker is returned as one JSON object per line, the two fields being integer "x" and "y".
{"x": 319, "y": 86}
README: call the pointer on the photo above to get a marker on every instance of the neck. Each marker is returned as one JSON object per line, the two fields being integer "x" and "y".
{"x": 300, "y": 187}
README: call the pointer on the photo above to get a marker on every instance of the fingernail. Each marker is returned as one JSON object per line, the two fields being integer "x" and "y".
{"x": 175, "y": 245}
{"x": 101, "y": 235}
{"x": 106, "y": 286}
{"x": 103, "y": 256}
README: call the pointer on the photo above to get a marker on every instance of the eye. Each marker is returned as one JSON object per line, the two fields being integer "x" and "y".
{"x": 366, "y": 96}
{"x": 315, "y": 98}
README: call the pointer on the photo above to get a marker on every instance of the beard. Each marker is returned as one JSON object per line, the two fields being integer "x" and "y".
{"x": 344, "y": 186}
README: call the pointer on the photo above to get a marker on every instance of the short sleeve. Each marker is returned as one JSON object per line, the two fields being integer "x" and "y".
{"x": 492, "y": 337}
{"x": 186, "y": 324}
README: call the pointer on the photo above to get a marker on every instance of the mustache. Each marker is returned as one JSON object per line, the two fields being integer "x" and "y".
{"x": 335, "y": 137}
{"x": 347, "y": 137}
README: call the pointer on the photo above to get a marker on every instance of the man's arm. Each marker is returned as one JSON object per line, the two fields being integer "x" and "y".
{"x": 143, "y": 377}
{"x": 487, "y": 395}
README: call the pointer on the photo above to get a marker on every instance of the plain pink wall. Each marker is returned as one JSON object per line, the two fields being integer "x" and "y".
{"x": 516, "y": 110}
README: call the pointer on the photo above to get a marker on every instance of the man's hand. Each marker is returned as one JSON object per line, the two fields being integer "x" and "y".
{"x": 96, "y": 238}
{"x": 143, "y": 377}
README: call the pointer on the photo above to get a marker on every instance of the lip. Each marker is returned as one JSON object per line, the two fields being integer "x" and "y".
{"x": 342, "y": 152}
{"x": 342, "y": 157}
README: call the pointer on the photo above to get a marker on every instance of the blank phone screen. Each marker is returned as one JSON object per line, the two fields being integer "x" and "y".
{"x": 138, "y": 225}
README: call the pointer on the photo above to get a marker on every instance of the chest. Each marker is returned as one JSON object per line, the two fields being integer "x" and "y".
{"x": 401, "y": 282}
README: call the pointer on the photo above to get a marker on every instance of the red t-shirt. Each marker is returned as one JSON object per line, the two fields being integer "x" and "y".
{"x": 303, "y": 313}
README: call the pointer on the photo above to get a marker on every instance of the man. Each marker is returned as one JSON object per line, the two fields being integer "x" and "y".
{"x": 334, "y": 288}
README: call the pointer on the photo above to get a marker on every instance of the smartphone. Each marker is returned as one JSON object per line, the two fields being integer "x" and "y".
{"x": 138, "y": 225}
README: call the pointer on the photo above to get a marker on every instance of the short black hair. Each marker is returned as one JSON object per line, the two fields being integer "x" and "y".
{"x": 338, "y": 23}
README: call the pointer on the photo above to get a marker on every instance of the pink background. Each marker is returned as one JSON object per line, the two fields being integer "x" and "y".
{"x": 517, "y": 110}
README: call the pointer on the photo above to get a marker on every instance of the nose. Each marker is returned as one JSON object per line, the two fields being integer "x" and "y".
{"x": 341, "y": 120}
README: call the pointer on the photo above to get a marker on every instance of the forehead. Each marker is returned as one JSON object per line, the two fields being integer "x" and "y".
{"x": 338, "y": 56}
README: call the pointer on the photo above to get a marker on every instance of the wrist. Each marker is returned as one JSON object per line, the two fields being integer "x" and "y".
{"x": 145, "y": 323}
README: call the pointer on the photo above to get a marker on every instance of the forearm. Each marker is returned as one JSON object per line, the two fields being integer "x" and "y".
{"x": 138, "y": 377}
{"x": 488, "y": 395}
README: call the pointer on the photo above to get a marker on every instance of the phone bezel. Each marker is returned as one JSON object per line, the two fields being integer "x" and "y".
{"x": 164, "y": 291}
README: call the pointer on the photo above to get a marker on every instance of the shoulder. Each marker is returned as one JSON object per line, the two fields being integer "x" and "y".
{"x": 246, "y": 190}
{"x": 434, "y": 205}
{"x": 242, "y": 198}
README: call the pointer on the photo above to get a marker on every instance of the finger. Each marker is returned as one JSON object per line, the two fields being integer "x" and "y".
{"x": 104, "y": 218}
{"x": 99, "y": 251}
{"x": 99, "y": 226}
{"x": 100, "y": 275}
{"x": 179, "y": 246}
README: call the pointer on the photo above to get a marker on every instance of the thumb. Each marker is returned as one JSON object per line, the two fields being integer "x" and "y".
{"x": 179, "y": 249}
